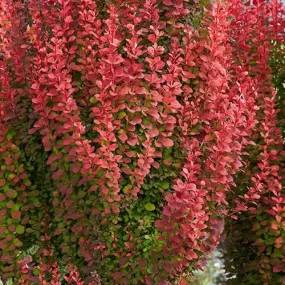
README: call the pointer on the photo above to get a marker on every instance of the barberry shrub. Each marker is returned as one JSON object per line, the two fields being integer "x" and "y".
{"x": 255, "y": 241}
{"x": 125, "y": 129}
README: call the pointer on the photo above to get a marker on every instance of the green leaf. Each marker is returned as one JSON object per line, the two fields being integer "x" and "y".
{"x": 92, "y": 100}
{"x": 81, "y": 194}
{"x": 165, "y": 185}
{"x": 149, "y": 207}
{"x": 20, "y": 229}
{"x": 126, "y": 189}
{"x": 15, "y": 207}
{"x": 121, "y": 115}
{"x": 11, "y": 133}
{"x": 36, "y": 271}
{"x": 27, "y": 182}
{"x": 17, "y": 243}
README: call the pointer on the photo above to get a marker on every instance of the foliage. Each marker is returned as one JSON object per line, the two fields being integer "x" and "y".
{"x": 255, "y": 242}
{"x": 123, "y": 126}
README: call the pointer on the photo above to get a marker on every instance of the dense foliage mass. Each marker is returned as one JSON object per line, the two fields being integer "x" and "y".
{"x": 130, "y": 132}
{"x": 244, "y": 260}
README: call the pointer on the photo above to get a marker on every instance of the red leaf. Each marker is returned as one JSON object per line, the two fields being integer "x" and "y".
{"x": 136, "y": 121}
{"x": 117, "y": 275}
{"x": 51, "y": 76}
{"x": 16, "y": 214}
{"x": 166, "y": 142}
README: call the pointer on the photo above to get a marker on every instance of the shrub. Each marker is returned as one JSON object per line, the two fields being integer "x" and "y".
{"x": 123, "y": 127}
